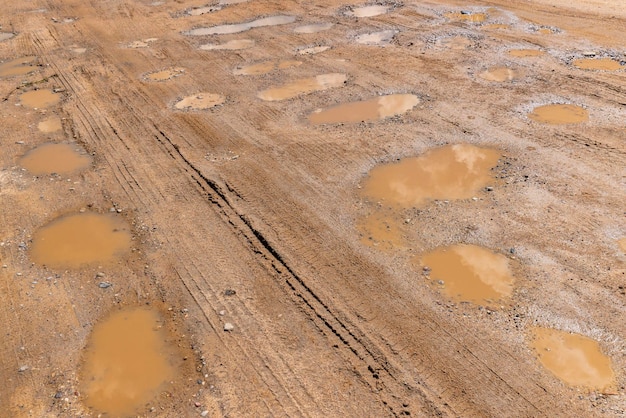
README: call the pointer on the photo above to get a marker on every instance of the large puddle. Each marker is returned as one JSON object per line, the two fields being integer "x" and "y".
{"x": 450, "y": 172}
{"x": 266, "y": 67}
{"x": 467, "y": 17}
{"x": 573, "y": 358}
{"x": 559, "y": 114}
{"x": 242, "y": 27}
{"x": 55, "y": 158}
{"x": 367, "y": 110}
{"x": 39, "y": 98}
{"x": 232, "y": 45}
{"x": 200, "y": 101}
{"x": 526, "y": 53}
{"x": 18, "y": 66}
{"x": 165, "y": 75}
{"x": 498, "y": 74}
{"x": 376, "y": 38}
{"x": 368, "y": 11}
{"x": 126, "y": 361}
{"x": 303, "y": 86}
{"x": 606, "y": 64}
{"x": 313, "y": 28}
{"x": 85, "y": 238}
{"x": 52, "y": 124}
{"x": 470, "y": 273}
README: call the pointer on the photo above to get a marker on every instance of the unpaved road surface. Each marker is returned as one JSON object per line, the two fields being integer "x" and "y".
{"x": 246, "y": 213}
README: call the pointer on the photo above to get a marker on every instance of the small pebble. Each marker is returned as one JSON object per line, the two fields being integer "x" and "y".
{"x": 222, "y": 313}
{"x": 489, "y": 188}
{"x": 104, "y": 285}
{"x": 229, "y": 292}
{"x": 228, "y": 326}
{"x": 441, "y": 282}
{"x": 204, "y": 413}
{"x": 100, "y": 274}
{"x": 22, "y": 369}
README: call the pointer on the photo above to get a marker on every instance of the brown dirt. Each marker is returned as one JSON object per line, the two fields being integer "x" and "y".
{"x": 248, "y": 196}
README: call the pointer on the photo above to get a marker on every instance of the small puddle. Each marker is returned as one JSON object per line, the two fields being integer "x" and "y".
{"x": 376, "y": 38}
{"x": 165, "y": 74}
{"x": 606, "y": 64}
{"x": 496, "y": 26}
{"x": 313, "y": 50}
{"x": 526, "y": 53}
{"x": 234, "y": 45}
{"x": 559, "y": 114}
{"x": 303, "y": 86}
{"x": 574, "y": 359}
{"x": 380, "y": 230}
{"x": 39, "y": 98}
{"x": 456, "y": 42}
{"x": 546, "y": 31}
{"x": 313, "y": 28}
{"x": 200, "y": 101}
{"x": 85, "y": 238}
{"x": 467, "y": 17}
{"x": 54, "y": 158}
{"x": 367, "y": 110}
{"x": 498, "y": 74}
{"x": 126, "y": 362}
{"x": 52, "y": 124}
{"x": 20, "y": 66}
{"x": 449, "y": 172}
{"x": 4, "y": 36}
{"x": 368, "y": 11}
{"x": 265, "y": 67}
{"x": 242, "y": 27}
{"x": 470, "y": 273}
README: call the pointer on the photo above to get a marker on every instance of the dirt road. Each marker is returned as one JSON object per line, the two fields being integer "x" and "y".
{"x": 282, "y": 288}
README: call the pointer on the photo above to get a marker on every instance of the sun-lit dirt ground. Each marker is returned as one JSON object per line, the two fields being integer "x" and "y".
{"x": 321, "y": 208}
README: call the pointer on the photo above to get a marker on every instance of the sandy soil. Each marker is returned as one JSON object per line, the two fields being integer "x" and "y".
{"x": 246, "y": 196}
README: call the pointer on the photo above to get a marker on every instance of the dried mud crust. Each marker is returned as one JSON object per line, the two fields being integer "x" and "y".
{"x": 323, "y": 325}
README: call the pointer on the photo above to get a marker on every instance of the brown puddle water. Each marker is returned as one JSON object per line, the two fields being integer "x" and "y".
{"x": 85, "y": 238}
{"x": 496, "y": 26}
{"x": 313, "y": 28}
{"x": 559, "y": 114}
{"x": 200, "y": 101}
{"x": 54, "y": 158}
{"x": 467, "y": 17}
{"x": 450, "y": 172}
{"x": 165, "y": 74}
{"x": 368, "y": 11}
{"x": 242, "y": 27}
{"x": 367, "y": 110}
{"x": 126, "y": 361}
{"x": 39, "y": 98}
{"x": 499, "y": 74}
{"x": 470, "y": 273}
{"x": 376, "y": 38}
{"x": 526, "y": 53}
{"x": 313, "y": 50}
{"x": 380, "y": 230}
{"x": 303, "y": 86}
{"x": 606, "y": 64}
{"x": 573, "y": 358}
{"x": 52, "y": 124}
{"x": 265, "y": 67}
{"x": 18, "y": 66}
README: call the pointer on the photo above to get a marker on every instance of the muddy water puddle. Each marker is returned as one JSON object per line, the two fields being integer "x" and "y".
{"x": 498, "y": 74}
{"x": 449, "y": 172}
{"x": 470, "y": 273}
{"x": 200, "y": 101}
{"x": 455, "y": 42}
{"x": 376, "y": 38}
{"x": 232, "y": 45}
{"x": 605, "y": 64}
{"x": 55, "y": 158}
{"x": 367, "y": 110}
{"x": 266, "y": 67}
{"x": 4, "y": 36}
{"x": 496, "y": 26}
{"x": 38, "y": 99}
{"x": 126, "y": 362}
{"x": 526, "y": 53}
{"x": 165, "y": 75}
{"x": 575, "y": 359}
{"x": 313, "y": 50}
{"x": 559, "y": 114}
{"x": 19, "y": 66}
{"x": 303, "y": 86}
{"x": 242, "y": 27}
{"x": 80, "y": 239}
{"x": 380, "y": 230}
{"x": 368, "y": 11}
{"x": 52, "y": 124}
{"x": 467, "y": 17}
{"x": 313, "y": 28}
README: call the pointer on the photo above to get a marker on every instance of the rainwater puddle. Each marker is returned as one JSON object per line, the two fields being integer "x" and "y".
{"x": 456, "y": 42}
{"x": 313, "y": 28}
{"x": 200, "y": 101}
{"x": 376, "y": 38}
{"x": 470, "y": 273}
{"x": 234, "y": 45}
{"x": 229, "y": 2}
{"x": 368, "y": 11}
{"x": 6, "y": 36}
{"x": 303, "y": 86}
{"x": 573, "y": 358}
{"x": 265, "y": 67}
{"x": 313, "y": 50}
{"x": 498, "y": 74}
{"x": 125, "y": 363}
{"x": 52, "y": 124}
{"x": 165, "y": 75}
{"x": 54, "y": 158}
{"x": 367, "y": 110}
{"x": 496, "y": 26}
{"x": 467, "y": 17}
{"x": 18, "y": 66}
{"x": 242, "y": 27}
{"x": 559, "y": 114}
{"x": 449, "y": 172}
{"x": 606, "y": 64}
{"x": 85, "y": 238}
{"x": 526, "y": 53}
{"x": 381, "y": 231}
{"x": 39, "y": 98}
